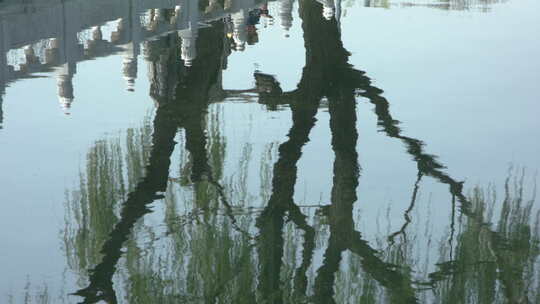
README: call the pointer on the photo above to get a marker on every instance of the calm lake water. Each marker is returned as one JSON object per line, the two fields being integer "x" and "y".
{"x": 238, "y": 151}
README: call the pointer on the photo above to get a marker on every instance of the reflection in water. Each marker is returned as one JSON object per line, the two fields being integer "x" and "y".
{"x": 456, "y": 5}
{"x": 450, "y": 5}
{"x": 72, "y": 32}
{"x": 180, "y": 104}
{"x": 213, "y": 246}
{"x": 209, "y": 251}
{"x": 1, "y": 111}
{"x": 491, "y": 264}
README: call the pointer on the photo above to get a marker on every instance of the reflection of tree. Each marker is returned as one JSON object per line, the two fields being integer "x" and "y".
{"x": 491, "y": 264}
{"x": 183, "y": 109}
{"x": 324, "y": 60}
{"x": 271, "y": 220}
{"x": 133, "y": 208}
{"x": 36, "y": 294}
{"x": 407, "y": 215}
{"x": 397, "y": 284}
{"x": 206, "y": 254}
{"x": 326, "y": 73}
{"x": 429, "y": 166}
{"x": 93, "y": 206}
{"x": 200, "y": 259}
{"x": 516, "y": 244}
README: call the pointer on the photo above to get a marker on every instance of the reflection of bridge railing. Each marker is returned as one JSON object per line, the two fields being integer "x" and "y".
{"x": 42, "y": 36}
{"x": 449, "y": 5}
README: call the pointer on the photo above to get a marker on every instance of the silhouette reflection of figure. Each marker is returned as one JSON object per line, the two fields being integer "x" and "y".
{"x": 241, "y": 26}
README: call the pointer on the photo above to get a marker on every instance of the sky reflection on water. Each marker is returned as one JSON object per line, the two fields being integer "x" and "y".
{"x": 240, "y": 152}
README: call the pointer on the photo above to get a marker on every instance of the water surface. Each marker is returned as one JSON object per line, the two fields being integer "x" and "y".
{"x": 269, "y": 152}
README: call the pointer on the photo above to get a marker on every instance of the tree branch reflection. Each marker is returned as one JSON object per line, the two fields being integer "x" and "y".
{"x": 179, "y": 106}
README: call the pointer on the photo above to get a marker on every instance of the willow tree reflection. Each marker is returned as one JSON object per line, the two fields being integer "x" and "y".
{"x": 94, "y": 206}
{"x": 181, "y": 104}
{"x": 493, "y": 263}
{"x": 205, "y": 249}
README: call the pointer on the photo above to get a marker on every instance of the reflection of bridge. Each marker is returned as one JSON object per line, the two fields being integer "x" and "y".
{"x": 54, "y": 35}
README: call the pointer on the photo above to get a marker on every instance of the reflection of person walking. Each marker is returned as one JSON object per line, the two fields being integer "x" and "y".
{"x": 255, "y": 15}
{"x": 253, "y": 19}
{"x": 264, "y": 10}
